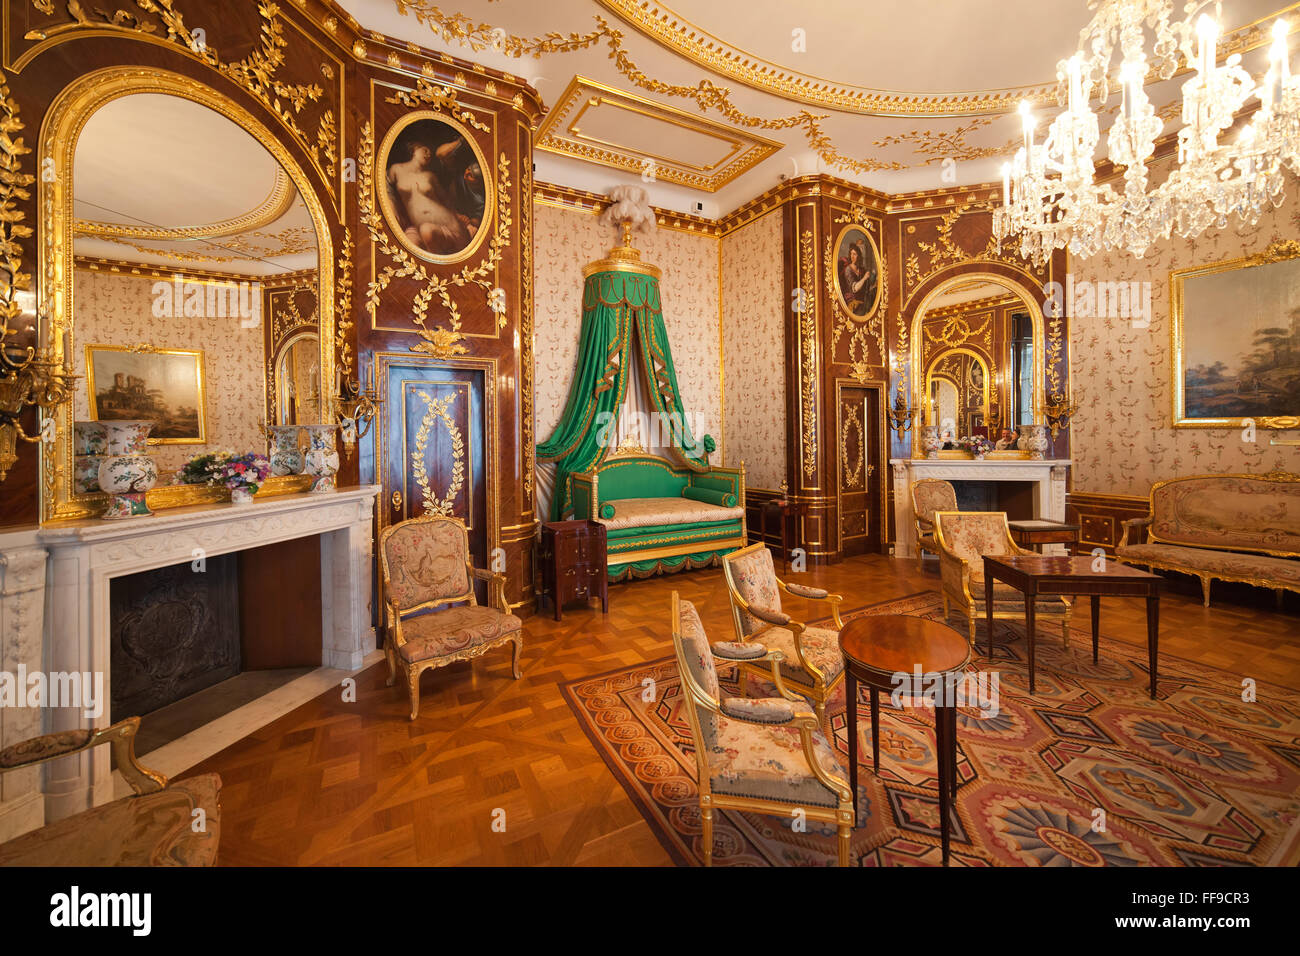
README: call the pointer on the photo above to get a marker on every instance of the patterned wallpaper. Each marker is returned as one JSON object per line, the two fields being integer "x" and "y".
{"x": 754, "y": 310}
{"x": 1121, "y": 436}
{"x": 118, "y": 310}
{"x": 565, "y": 240}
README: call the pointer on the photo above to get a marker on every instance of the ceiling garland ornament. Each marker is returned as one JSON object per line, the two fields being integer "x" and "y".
{"x": 705, "y": 94}
{"x": 1050, "y": 197}
{"x": 256, "y": 73}
{"x": 441, "y": 341}
{"x": 938, "y": 145}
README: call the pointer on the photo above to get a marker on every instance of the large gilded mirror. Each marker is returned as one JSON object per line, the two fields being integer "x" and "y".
{"x": 978, "y": 343}
{"x": 188, "y": 291}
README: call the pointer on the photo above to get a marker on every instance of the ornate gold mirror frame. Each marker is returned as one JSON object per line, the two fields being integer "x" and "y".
{"x": 920, "y": 379}
{"x": 931, "y": 376}
{"x": 60, "y": 131}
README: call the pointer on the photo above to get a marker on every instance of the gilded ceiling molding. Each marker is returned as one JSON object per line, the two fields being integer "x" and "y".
{"x": 566, "y": 197}
{"x": 687, "y": 40}
{"x": 560, "y": 133}
{"x": 705, "y": 94}
{"x": 125, "y": 267}
{"x": 290, "y": 241}
{"x": 275, "y": 205}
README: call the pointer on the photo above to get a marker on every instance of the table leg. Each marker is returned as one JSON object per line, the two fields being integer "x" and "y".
{"x": 851, "y": 702}
{"x": 1030, "y": 601}
{"x": 875, "y": 730}
{"x": 952, "y": 746}
{"x": 941, "y": 738}
{"x": 988, "y": 608}
{"x": 1153, "y": 634}
{"x": 1096, "y": 624}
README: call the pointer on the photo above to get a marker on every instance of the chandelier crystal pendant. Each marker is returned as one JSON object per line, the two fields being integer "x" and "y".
{"x": 1050, "y": 197}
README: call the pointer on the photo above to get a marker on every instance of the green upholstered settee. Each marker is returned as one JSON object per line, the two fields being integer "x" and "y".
{"x": 660, "y": 517}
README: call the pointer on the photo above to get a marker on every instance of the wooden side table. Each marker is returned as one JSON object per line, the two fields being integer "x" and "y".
{"x": 1051, "y": 575}
{"x": 884, "y": 652}
{"x": 573, "y": 564}
{"x": 1038, "y": 532}
{"x": 783, "y": 509}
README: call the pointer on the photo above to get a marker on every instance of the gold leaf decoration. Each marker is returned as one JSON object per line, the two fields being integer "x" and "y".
{"x": 437, "y": 410}
{"x": 808, "y": 336}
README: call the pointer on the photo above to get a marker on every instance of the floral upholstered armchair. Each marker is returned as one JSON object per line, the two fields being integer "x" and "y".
{"x": 765, "y": 755}
{"x": 813, "y": 664}
{"x": 155, "y": 827}
{"x": 928, "y": 496}
{"x": 426, "y": 565}
{"x": 963, "y": 538}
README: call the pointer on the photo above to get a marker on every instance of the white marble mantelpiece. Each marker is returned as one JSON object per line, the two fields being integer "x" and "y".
{"x": 86, "y": 555}
{"x": 22, "y": 621}
{"x": 1047, "y": 475}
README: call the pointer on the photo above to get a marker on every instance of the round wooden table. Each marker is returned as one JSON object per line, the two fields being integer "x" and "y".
{"x": 884, "y": 652}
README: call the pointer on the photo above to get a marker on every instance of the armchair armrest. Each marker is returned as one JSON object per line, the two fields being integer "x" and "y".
{"x": 496, "y": 588}
{"x": 38, "y": 750}
{"x": 815, "y": 594}
{"x": 764, "y": 710}
{"x": 1132, "y": 525}
{"x": 737, "y": 651}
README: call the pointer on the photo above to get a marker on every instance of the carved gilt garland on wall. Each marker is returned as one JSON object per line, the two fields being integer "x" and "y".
{"x": 256, "y": 73}
{"x": 439, "y": 341}
{"x": 860, "y": 333}
{"x": 343, "y": 324}
{"x": 945, "y": 251}
{"x": 852, "y": 426}
{"x": 808, "y": 341}
{"x": 437, "y": 411}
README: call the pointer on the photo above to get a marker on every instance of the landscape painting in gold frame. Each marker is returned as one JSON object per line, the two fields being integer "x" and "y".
{"x": 142, "y": 383}
{"x": 1236, "y": 341}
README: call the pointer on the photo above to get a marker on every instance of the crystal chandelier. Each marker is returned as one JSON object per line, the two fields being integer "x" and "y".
{"x": 1049, "y": 197}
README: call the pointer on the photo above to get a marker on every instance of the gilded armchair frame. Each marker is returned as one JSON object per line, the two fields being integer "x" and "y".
{"x": 925, "y": 527}
{"x": 120, "y": 736}
{"x": 807, "y": 723}
{"x": 970, "y": 604}
{"x": 821, "y": 689}
{"x": 393, "y": 614}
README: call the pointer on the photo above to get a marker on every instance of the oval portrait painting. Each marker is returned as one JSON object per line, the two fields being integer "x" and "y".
{"x": 436, "y": 191}
{"x": 857, "y": 272}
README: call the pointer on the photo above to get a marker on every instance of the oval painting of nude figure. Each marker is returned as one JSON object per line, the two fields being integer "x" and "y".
{"x": 436, "y": 191}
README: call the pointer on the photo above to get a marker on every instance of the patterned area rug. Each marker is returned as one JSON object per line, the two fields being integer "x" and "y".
{"x": 1088, "y": 772}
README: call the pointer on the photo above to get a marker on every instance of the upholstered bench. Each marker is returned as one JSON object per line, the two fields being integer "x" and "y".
{"x": 1243, "y": 528}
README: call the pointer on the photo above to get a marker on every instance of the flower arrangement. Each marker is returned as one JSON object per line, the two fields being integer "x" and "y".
{"x": 977, "y": 445}
{"x": 239, "y": 473}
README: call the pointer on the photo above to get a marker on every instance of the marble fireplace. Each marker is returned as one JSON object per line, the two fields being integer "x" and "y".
{"x": 69, "y": 567}
{"x": 1046, "y": 477}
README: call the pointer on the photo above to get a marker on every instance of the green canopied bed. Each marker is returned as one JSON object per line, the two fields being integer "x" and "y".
{"x": 662, "y": 513}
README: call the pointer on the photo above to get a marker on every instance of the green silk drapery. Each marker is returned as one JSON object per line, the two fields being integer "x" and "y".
{"x": 622, "y": 322}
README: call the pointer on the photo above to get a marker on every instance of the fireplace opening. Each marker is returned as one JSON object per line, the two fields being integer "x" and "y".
{"x": 1016, "y": 498}
{"x": 192, "y": 642}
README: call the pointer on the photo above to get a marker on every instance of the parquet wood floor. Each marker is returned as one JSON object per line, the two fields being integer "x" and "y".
{"x": 336, "y": 783}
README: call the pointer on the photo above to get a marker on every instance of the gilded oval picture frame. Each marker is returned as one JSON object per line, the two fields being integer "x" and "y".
{"x": 857, "y": 272}
{"x": 436, "y": 191}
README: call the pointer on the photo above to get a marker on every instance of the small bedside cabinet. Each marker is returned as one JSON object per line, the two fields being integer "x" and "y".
{"x": 573, "y": 564}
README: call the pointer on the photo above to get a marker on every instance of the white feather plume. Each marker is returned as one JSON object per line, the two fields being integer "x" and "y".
{"x": 631, "y": 205}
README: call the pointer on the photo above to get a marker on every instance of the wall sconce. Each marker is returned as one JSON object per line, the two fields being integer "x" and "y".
{"x": 28, "y": 376}
{"x": 357, "y": 410}
{"x": 901, "y": 415}
{"x": 1059, "y": 410}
